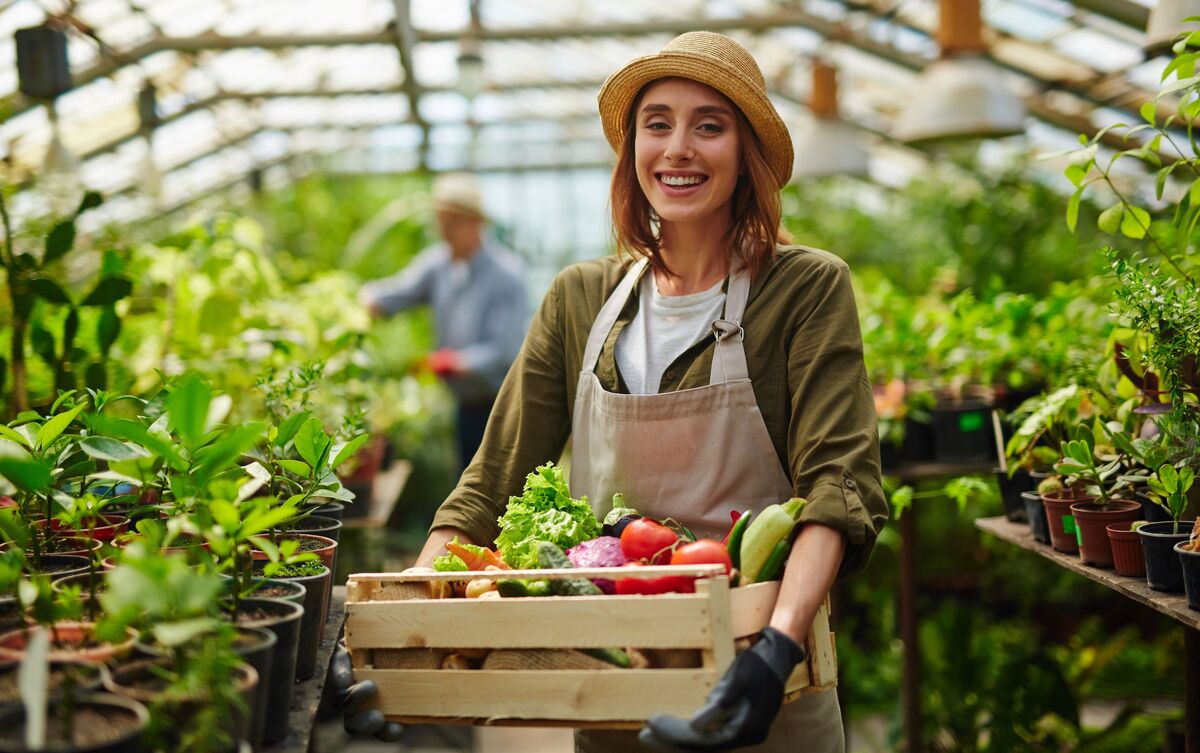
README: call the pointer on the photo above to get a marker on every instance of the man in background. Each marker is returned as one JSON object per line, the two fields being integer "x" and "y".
{"x": 480, "y": 304}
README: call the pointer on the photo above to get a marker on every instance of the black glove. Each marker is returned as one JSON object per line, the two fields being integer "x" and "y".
{"x": 740, "y": 709}
{"x": 349, "y": 696}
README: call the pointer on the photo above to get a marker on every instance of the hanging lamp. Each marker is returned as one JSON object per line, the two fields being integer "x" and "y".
{"x": 829, "y": 146}
{"x": 962, "y": 95}
{"x": 1166, "y": 22}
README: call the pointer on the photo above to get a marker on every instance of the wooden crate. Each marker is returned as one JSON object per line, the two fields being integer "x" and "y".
{"x": 392, "y": 610}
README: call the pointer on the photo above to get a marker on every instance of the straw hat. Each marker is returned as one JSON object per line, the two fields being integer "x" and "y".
{"x": 712, "y": 59}
{"x": 458, "y": 193}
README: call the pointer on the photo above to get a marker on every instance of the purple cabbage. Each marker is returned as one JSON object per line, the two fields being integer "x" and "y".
{"x": 604, "y": 551}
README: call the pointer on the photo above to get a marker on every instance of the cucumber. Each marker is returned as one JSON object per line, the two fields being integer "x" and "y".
{"x": 551, "y": 557}
{"x": 773, "y": 567}
{"x": 512, "y": 589}
{"x": 613, "y": 656}
{"x": 538, "y": 588}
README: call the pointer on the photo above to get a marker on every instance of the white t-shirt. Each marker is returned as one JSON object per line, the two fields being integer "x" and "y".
{"x": 665, "y": 326}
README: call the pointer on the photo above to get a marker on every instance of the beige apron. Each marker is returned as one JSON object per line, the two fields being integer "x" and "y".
{"x": 692, "y": 455}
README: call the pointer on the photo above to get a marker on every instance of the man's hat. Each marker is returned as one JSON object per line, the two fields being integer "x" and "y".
{"x": 458, "y": 193}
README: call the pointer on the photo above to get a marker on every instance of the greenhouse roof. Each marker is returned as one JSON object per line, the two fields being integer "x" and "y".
{"x": 245, "y": 86}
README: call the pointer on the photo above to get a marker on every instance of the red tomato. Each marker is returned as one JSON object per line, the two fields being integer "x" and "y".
{"x": 644, "y": 539}
{"x": 703, "y": 552}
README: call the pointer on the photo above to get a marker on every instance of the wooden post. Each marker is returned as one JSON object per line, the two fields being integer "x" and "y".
{"x": 960, "y": 27}
{"x": 824, "y": 90}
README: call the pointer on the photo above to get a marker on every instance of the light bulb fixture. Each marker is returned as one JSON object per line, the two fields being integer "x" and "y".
{"x": 963, "y": 95}
{"x": 470, "y": 69}
{"x": 829, "y": 145}
{"x": 1165, "y": 23}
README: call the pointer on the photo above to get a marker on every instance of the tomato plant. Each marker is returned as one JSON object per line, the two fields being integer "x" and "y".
{"x": 644, "y": 539}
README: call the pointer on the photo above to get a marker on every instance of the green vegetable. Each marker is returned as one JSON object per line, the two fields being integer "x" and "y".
{"x": 611, "y": 655}
{"x": 734, "y": 543}
{"x": 773, "y": 567}
{"x": 512, "y": 589}
{"x": 449, "y": 563}
{"x": 538, "y": 588}
{"x": 550, "y": 557}
{"x": 545, "y": 511}
{"x": 773, "y": 524}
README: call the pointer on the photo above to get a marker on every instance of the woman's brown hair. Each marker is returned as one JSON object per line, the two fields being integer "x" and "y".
{"x": 754, "y": 205}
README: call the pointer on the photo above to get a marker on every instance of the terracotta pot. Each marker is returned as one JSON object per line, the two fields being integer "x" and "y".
{"x": 70, "y": 546}
{"x": 325, "y": 552}
{"x": 102, "y": 527}
{"x": 1063, "y": 533}
{"x": 1126, "y": 549}
{"x": 66, "y": 644}
{"x": 1092, "y": 521}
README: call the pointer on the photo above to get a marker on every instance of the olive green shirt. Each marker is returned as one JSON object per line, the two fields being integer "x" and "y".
{"x": 805, "y": 357}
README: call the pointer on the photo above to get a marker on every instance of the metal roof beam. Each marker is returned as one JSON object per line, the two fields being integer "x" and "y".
{"x": 405, "y": 39}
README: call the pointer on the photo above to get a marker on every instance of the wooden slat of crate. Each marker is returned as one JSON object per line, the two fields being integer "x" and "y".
{"x": 590, "y": 695}
{"x": 669, "y": 621}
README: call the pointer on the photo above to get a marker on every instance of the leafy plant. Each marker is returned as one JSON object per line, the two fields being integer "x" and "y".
{"x": 1080, "y": 467}
{"x": 1169, "y": 488}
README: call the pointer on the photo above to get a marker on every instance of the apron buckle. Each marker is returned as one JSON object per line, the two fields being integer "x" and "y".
{"x": 723, "y": 328}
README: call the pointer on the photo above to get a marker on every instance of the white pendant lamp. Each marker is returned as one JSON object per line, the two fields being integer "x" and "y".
{"x": 1166, "y": 22}
{"x": 829, "y": 146}
{"x": 963, "y": 95}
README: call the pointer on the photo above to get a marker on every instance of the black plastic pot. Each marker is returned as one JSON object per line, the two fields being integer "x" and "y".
{"x": 1151, "y": 511}
{"x": 1035, "y": 512}
{"x": 1164, "y": 572}
{"x": 134, "y": 714}
{"x": 318, "y": 590}
{"x": 87, "y": 677}
{"x": 1190, "y": 562}
{"x": 256, "y": 646}
{"x": 61, "y": 565}
{"x": 321, "y": 526}
{"x": 1011, "y": 490}
{"x": 284, "y": 621}
{"x": 330, "y": 510}
{"x": 962, "y": 432}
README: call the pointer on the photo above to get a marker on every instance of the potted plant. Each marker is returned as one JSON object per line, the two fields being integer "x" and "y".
{"x": 1092, "y": 517}
{"x": 316, "y": 581}
{"x": 1189, "y": 558}
{"x": 1169, "y": 488}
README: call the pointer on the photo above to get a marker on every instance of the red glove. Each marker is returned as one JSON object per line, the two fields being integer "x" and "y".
{"x": 445, "y": 363}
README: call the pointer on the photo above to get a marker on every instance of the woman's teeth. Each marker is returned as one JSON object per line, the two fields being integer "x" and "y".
{"x": 675, "y": 180}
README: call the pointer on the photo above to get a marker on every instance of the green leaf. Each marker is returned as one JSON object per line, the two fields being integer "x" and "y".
{"x": 311, "y": 441}
{"x": 289, "y": 427}
{"x": 105, "y": 448}
{"x": 1160, "y": 180}
{"x": 108, "y": 328}
{"x": 1169, "y": 478}
{"x": 266, "y": 545}
{"x": 1148, "y": 111}
{"x": 349, "y": 449}
{"x": 297, "y": 467}
{"x": 49, "y": 290}
{"x": 225, "y": 515}
{"x": 29, "y": 475}
{"x": 107, "y": 291}
{"x": 1075, "y": 174}
{"x": 1110, "y": 219}
{"x": 171, "y": 634}
{"x": 14, "y": 437}
{"x": 1135, "y": 222}
{"x": 59, "y": 241}
{"x": 55, "y": 426}
{"x": 1073, "y": 209}
{"x": 223, "y": 453}
{"x": 90, "y": 200}
{"x": 187, "y": 407}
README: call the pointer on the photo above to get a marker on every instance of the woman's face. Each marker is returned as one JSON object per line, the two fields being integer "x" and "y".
{"x": 686, "y": 149}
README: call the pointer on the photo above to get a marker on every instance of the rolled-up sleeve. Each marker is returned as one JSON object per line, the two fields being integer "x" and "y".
{"x": 833, "y": 443}
{"x": 410, "y": 287}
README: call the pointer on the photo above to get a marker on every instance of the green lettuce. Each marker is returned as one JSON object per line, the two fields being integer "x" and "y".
{"x": 545, "y": 511}
{"x": 452, "y": 563}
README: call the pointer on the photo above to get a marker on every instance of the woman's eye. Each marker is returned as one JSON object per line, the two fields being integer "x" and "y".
{"x": 657, "y": 125}
{"x": 710, "y": 128}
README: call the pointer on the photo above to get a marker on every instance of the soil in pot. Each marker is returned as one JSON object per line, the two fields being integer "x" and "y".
{"x": 318, "y": 588}
{"x": 1092, "y": 521}
{"x": 1063, "y": 533}
{"x": 1190, "y": 563}
{"x": 69, "y": 641}
{"x": 101, "y": 723}
{"x": 1035, "y": 512}
{"x": 86, "y": 677}
{"x": 1164, "y": 572}
{"x": 318, "y": 524}
{"x": 283, "y": 619}
{"x": 62, "y": 565}
{"x": 325, "y": 548}
{"x": 139, "y": 680}
{"x": 1127, "y": 550}
{"x": 74, "y": 545}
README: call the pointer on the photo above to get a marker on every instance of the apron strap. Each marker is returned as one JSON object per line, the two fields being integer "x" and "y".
{"x": 729, "y": 360}
{"x": 609, "y": 313}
